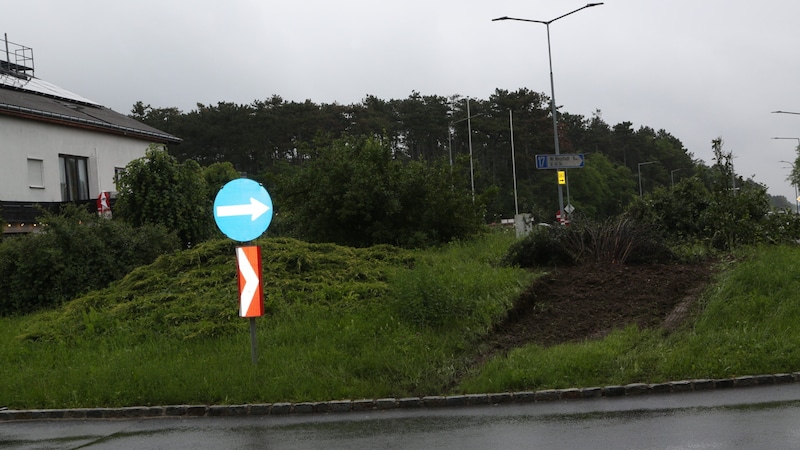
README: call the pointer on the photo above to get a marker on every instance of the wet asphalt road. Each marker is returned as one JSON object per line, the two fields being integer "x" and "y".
{"x": 763, "y": 417}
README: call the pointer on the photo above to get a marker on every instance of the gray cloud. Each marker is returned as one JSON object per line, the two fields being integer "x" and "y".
{"x": 699, "y": 70}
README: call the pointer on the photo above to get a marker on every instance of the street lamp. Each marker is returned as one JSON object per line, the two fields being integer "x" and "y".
{"x": 796, "y": 139}
{"x": 640, "y": 175}
{"x": 552, "y": 85}
{"x": 785, "y": 112}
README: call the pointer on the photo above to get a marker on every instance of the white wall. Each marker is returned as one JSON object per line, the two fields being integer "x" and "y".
{"x": 21, "y": 139}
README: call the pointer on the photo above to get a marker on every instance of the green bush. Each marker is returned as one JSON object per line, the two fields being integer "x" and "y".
{"x": 75, "y": 252}
{"x": 781, "y": 228}
{"x": 544, "y": 246}
{"x": 356, "y": 192}
{"x": 157, "y": 190}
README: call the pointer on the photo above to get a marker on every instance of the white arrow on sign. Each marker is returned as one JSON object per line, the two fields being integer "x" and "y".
{"x": 250, "y": 281}
{"x": 254, "y": 209}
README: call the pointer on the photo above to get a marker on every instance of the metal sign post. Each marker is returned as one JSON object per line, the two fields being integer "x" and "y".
{"x": 243, "y": 211}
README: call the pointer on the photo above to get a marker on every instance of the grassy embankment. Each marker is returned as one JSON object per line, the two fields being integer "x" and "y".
{"x": 365, "y": 323}
{"x": 341, "y": 323}
{"x": 745, "y": 324}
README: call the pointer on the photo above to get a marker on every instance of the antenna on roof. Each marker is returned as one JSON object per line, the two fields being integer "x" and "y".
{"x": 5, "y": 39}
{"x": 22, "y": 64}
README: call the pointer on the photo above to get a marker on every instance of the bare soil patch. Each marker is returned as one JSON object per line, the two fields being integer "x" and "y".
{"x": 573, "y": 304}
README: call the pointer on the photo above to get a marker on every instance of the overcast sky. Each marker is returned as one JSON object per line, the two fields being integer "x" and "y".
{"x": 699, "y": 69}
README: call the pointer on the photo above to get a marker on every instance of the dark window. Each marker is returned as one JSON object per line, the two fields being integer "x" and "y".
{"x": 118, "y": 171}
{"x": 74, "y": 178}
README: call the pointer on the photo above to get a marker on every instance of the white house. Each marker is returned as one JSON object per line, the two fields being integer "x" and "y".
{"x": 56, "y": 146}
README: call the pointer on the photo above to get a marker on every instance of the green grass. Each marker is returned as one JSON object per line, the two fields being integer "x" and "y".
{"x": 169, "y": 333}
{"x": 747, "y": 324}
{"x": 367, "y": 323}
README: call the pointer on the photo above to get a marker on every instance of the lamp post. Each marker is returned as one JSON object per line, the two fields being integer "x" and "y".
{"x": 469, "y": 138}
{"x": 513, "y": 161}
{"x": 672, "y": 177}
{"x": 640, "y": 176}
{"x": 552, "y": 85}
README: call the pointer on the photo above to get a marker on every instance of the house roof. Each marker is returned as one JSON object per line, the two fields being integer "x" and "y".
{"x": 32, "y": 98}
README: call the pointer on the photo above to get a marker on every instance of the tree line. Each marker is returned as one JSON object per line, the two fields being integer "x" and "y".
{"x": 398, "y": 172}
{"x": 274, "y": 138}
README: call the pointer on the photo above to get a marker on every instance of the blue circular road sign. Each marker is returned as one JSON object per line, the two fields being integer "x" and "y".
{"x": 243, "y": 209}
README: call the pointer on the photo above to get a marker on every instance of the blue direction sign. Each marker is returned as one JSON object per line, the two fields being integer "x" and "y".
{"x": 243, "y": 209}
{"x": 568, "y": 161}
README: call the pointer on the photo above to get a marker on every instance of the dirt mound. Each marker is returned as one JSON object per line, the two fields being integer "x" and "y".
{"x": 576, "y": 303}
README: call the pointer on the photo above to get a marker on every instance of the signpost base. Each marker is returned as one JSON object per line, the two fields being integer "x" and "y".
{"x": 253, "y": 352}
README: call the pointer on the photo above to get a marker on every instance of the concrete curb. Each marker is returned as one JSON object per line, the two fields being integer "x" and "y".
{"x": 343, "y": 406}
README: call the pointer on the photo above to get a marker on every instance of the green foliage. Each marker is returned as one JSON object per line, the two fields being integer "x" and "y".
{"x": 76, "y": 252}
{"x": 618, "y": 359}
{"x": 157, "y": 190}
{"x": 676, "y": 213}
{"x": 748, "y": 324}
{"x": 781, "y": 228}
{"x": 714, "y": 207}
{"x": 355, "y": 193}
{"x": 601, "y": 189}
{"x": 745, "y": 326}
{"x": 449, "y": 290}
{"x": 320, "y": 342}
{"x": 192, "y": 294}
{"x": 543, "y": 247}
{"x": 794, "y": 175}
{"x": 169, "y": 333}
{"x": 217, "y": 175}
{"x": 271, "y": 136}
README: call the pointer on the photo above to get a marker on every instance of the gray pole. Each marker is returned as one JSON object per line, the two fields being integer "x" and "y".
{"x": 8, "y": 57}
{"x": 566, "y": 180}
{"x": 640, "y": 176}
{"x": 555, "y": 119}
{"x": 552, "y": 87}
{"x": 471, "y": 170}
{"x": 513, "y": 161}
{"x": 672, "y": 177}
{"x": 253, "y": 341}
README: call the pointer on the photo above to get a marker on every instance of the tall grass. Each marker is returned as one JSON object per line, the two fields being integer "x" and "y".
{"x": 746, "y": 324}
{"x": 169, "y": 333}
{"x": 451, "y": 288}
{"x": 344, "y": 323}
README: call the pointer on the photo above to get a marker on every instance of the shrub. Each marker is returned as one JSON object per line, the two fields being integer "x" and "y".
{"x": 544, "y": 246}
{"x": 75, "y": 252}
{"x": 618, "y": 240}
{"x": 357, "y": 193}
{"x": 157, "y": 190}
